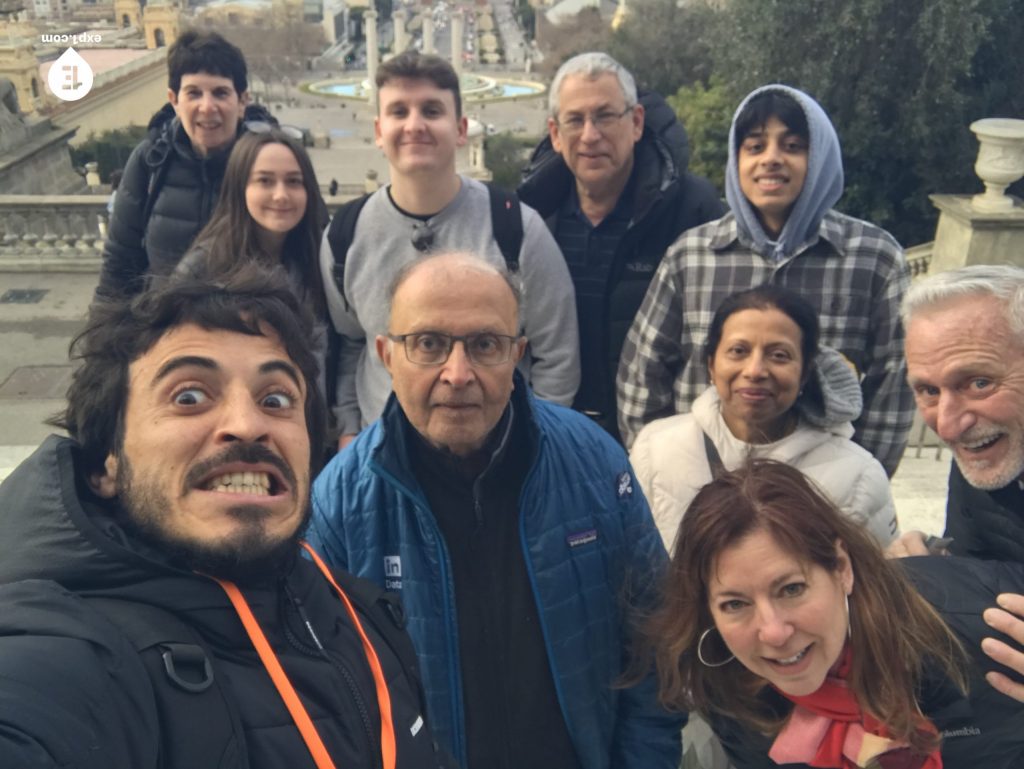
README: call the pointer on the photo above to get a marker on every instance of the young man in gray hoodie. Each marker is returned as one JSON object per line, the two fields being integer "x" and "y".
{"x": 429, "y": 207}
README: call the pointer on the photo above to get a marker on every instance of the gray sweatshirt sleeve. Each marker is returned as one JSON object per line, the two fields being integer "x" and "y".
{"x": 549, "y": 313}
{"x": 352, "y": 343}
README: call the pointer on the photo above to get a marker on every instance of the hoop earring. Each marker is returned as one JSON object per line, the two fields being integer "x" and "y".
{"x": 849, "y": 619}
{"x": 700, "y": 652}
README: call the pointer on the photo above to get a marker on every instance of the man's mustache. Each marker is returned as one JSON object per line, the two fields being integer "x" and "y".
{"x": 248, "y": 453}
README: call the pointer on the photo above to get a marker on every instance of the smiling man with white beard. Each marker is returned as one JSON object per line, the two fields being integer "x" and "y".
{"x": 965, "y": 365}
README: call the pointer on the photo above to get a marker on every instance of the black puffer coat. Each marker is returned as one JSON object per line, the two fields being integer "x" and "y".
{"x": 150, "y": 236}
{"x": 76, "y": 693}
{"x": 667, "y": 200}
{"x": 982, "y": 729}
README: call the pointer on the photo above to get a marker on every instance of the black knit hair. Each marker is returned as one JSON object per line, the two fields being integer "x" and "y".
{"x": 120, "y": 331}
{"x": 767, "y": 105}
{"x": 208, "y": 52}
{"x": 769, "y": 297}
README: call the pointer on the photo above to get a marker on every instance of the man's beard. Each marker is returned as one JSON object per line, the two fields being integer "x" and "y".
{"x": 249, "y": 555}
{"x": 985, "y": 475}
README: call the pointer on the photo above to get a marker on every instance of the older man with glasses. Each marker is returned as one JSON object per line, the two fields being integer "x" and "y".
{"x": 430, "y": 207}
{"x": 513, "y": 530}
{"x": 611, "y": 182}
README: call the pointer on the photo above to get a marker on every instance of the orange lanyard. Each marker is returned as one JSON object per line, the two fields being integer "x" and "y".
{"x": 284, "y": 687}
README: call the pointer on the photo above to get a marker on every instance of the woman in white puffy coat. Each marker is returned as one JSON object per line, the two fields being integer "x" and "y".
{"x": 774, "y": 395}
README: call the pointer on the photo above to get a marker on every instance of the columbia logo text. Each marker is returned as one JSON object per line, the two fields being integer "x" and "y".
{"x": 965, "y": 731}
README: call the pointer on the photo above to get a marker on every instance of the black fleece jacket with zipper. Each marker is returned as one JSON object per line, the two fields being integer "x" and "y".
{"x": 76, "y": 693}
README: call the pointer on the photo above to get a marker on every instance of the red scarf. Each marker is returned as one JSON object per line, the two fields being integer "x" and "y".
{"x": 827, "y": 729}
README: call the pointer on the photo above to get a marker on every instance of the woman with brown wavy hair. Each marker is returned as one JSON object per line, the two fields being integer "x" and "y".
{"x": 782, "y": 622}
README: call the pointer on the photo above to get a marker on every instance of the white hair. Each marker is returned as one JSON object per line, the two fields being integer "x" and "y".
{"x": 592, "y": 65}
{"x": 1005, "y": 282}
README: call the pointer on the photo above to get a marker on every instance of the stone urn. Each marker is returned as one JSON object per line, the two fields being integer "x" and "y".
{"x": 1000, "y": 161}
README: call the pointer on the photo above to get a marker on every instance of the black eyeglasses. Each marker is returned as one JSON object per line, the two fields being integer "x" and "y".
{"x": 265, "y": 127}
{"x": 422, "y": 237}
{"x": 431, "y": 348}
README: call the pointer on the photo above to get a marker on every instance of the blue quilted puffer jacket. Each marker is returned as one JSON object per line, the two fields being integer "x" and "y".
{"x": 591, "y": 549}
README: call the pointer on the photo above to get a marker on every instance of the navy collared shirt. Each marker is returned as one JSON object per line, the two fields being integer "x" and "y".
{"x": 589, "y": 251}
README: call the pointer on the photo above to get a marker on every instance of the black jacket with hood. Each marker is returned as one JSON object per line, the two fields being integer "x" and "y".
{"x": 76, "y": 693}
{"x": 166, "y": 196}
{"x": 983, "y": 728}
{"x": 667, "y": 200}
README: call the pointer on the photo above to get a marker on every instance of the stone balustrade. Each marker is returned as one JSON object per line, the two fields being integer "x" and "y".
{"x": 919, "y": 258}
{"x": 52, "y": 232}
{"x": 65, "y": 233}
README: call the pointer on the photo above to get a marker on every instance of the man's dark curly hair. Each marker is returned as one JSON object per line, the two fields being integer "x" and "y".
{"x": 119, "y": 332}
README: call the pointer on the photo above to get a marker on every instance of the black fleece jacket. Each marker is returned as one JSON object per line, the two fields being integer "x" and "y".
{"x": 76, "y": 693}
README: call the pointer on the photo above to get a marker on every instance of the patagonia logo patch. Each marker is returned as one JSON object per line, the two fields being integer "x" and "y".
{"x": 582, "y": 538}
{"x": 624, "y": 485}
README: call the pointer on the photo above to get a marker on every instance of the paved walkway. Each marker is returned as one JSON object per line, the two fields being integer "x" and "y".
{"x": 34, "y": 368}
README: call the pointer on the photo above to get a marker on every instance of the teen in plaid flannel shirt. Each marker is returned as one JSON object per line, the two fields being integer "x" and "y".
{"x": 783, "y": 177}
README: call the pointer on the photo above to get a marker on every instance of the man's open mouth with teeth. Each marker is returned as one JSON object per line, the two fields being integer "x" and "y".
{"x": 243, "y": 468}
{"x": 979, "y": 444}
{"x": 261, "y": 484}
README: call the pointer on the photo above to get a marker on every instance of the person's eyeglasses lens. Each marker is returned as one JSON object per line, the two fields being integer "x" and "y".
{"x": 482, "y": 349}
{"x": 602, "y": 121}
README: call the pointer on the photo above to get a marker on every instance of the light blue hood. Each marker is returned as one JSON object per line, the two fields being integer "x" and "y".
{"x": 822, "y": 188}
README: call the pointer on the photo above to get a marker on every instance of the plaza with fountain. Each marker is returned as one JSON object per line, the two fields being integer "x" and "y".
{"x": 476, "y": 87}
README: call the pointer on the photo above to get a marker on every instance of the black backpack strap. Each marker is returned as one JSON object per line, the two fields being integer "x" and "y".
{"x": 507, "y": 225}
{"x": 340, "y": 235}
{"x": 197, "y": 718}
{"x": 156, "y": 161}
{"x": 385, "y": 612}
{"x": 714, "y": 458}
